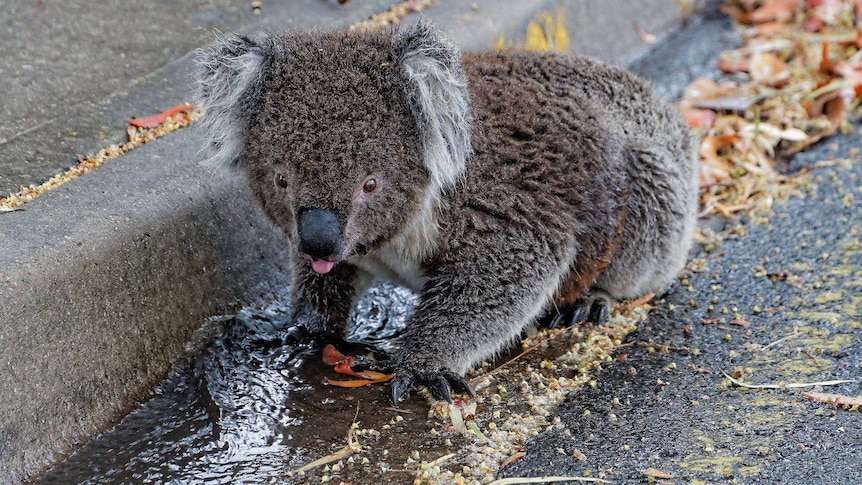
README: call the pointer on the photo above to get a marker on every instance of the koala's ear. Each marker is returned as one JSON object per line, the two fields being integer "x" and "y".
{"x": 437, "y": 93}
{"x": 228, "y": 81}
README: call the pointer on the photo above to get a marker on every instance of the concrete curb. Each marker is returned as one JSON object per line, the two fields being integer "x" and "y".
{"x": 102, "y": 281}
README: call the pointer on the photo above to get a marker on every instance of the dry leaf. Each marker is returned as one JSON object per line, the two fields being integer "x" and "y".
{"x": 515, "y": 457}
{"x": 736, "y": 104}
{"x": 766, "y": 68}
{"x": 645, "y": 37}
{"x": 156, "y": 120}
{"x": 358, "y": 382}
{"x": 771, "y": 10}
{"x": 656, "y": 473}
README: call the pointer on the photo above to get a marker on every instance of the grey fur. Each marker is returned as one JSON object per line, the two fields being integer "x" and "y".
{"x": 438, "y": 94}
{"x": 230, "y": 71}
{"x": 577, "y": 183}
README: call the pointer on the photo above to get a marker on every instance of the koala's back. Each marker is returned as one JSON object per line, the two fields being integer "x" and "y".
{"x": 587, "y": 155}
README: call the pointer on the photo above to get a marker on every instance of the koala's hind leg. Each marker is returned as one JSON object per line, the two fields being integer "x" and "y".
{"x": 594, "y": 306}
{"x": 578, "y": 299}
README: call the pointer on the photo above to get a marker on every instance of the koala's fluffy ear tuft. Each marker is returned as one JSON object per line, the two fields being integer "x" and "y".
{"x": 437, "y": 92}
{"x": 228, "y": 81}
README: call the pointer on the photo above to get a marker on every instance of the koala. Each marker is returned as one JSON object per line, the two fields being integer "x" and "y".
{"x": 504, "y": 188}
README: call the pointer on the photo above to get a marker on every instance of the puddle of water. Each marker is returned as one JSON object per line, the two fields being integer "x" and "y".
{"x": 233, "y": 412}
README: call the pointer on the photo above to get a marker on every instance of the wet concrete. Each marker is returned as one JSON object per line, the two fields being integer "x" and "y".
{"x": 243, "y": 405}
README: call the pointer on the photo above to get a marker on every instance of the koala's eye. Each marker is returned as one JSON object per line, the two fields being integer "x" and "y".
{"x": 369, "y": 186}
{"x": 280, "y": 180}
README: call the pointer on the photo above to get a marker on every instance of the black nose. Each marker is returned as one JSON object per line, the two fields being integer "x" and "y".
{"x": 319, "y": 233}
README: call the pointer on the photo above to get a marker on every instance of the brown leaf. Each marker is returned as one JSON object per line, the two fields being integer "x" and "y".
{"x": 769, "y": 29}
{"x": 771, "y": 10}
{"x": 515, "y": 457}
{"x": 732, "y": 62}
{"x": 156, "y": 120}
{"x": 767, "y": 69}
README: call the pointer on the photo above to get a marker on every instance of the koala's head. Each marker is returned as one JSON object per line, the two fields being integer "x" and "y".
{"x": 343, "y": 135}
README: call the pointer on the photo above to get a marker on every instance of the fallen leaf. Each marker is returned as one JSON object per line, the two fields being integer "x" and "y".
{"x": 767, "y": 69}
{"x": 645, "y": 37}
{"x": 790, "y": 134}
{"x": 346, "y": 368}
{"x": 656, "y": 473}
{"x": 515, "y": 457}
{"x": 834, "y": 399}
{"x": 732, "y": 62}
{"x": 332, "y": 356}
{"x": 357, "y": 382}
{"x": 156, "y": 120}
{"x": 735, "y": 104}
{"x": 698, "y": 118}
{"x": 769, "y": 29}
{"x": 771, "y": 10}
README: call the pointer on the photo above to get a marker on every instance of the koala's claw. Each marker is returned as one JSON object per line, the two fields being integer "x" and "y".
{"x": 382, "y": 363}
{"x": 401, "y": 386}
{"x": 594, "y": 307}
{"x": 439, "y": 384}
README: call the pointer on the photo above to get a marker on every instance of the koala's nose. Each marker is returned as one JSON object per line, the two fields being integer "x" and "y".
{"x": 319, "y": 233}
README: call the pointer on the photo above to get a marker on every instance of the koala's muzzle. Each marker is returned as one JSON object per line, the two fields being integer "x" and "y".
{"x": 319, "y": 238}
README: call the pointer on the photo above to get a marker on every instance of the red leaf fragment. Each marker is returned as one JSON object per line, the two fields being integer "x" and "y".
{"x": 156, "y": 120}
{"x": 345, "y": 368}
{"x": 332, "y": 356}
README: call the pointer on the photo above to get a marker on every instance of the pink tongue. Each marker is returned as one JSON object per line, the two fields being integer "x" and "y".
{"x": 322, "y": 266}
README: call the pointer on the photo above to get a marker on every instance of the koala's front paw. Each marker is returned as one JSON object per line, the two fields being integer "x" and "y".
{"x": 440, "y": 383}
{"x": 382, "y": 362}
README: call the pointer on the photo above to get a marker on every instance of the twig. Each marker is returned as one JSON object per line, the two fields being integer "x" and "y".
{"x": 513, "y": 359}
{"x": 642, "y": 300}
{"x": 350, "y": 448}
{"x": 515, "y": 457}
{"x": 399, "y": 410}
{"x": 785, "y": 385}
{"x": 794, "y": 334}
{"x": 811, "y": 356}
{"x": 661, "y": 347}
{"x": 440, "y": 460}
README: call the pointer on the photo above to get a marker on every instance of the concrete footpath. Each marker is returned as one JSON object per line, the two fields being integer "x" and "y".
{"x": 103, "y": 280}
